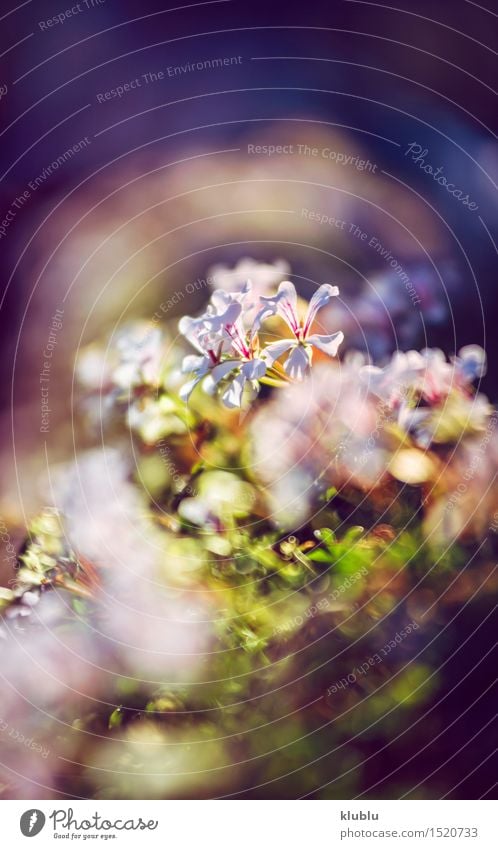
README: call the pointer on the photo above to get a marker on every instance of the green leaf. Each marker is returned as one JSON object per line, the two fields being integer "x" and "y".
{"x": 116, "y": 718}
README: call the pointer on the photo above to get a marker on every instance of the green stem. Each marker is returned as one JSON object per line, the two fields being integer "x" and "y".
{"x": 272, "y": 381}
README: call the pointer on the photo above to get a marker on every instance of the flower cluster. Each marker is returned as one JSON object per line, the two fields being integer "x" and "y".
{"x": 133, "y": 358}
{"x": 431, "y": 398}
{"x": 355, "y": 427}
{"x": 134, "y": 372}
{"x": 231, "y": 355}
{"x": 185, "y": 575}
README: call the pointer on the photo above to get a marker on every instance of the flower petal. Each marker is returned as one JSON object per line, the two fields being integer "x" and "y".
{"x": 216, "y": 323}
{"x": 222, "y": 297}
{"x": 190, "y": 328}
{"x": 254, "y": 369}
{"x": 194, "y": 363}
{"x": 218, "y": 373}
{"x": 328, "y": 344}
{"x": 187, "y": 389}
{"x": 287, "y": 304}
{"x": 287, "y": 291}
{"x": 284, "y": 303}
{"x": 298, "y": 362}
{"x": 221, "y": 300}
{"x": 232, "y": 397}
{"x": 275, "y": 350}
{"x": 321, "y": 297}
{"x": 472, "y": 362}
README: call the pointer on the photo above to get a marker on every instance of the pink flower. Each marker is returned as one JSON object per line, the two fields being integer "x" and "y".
{"x": 427, "y": 375}
{"x": 284, "y": 304}
{"x": 207, "y": 334}
{"x": 220, "y": 330}
{"x": 228, "y": 342}
{"x": 432, "y": 398}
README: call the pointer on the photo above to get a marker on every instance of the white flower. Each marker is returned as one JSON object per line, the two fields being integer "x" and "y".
{"x": 427, "y": 375}
{"x": 199, "y": 366}
{"x": 470, "y": 363}
{"x": 140, "y": 350}
{"x": 449, "y": 407}
{"x": 242, "y": 375}
{"x": 134, "y": 357}
{"x": 207, "y": 335}
{"x": 207, "y": 332}
{"x": 229, "y": 355}
{"x": 218, "y": 331}
{"x": 392, "y": 383}
{"x": 284, "y": 304}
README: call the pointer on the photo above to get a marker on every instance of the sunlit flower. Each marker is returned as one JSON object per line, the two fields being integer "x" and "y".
{"x": 458, "y": 416}
{"x": 392, "y": 383}
{"x": 140, "y": 348}
{"x": 207, "y": 342}
{"x": 199, "y": 366}
{"x": 427, "y": 374}
{"x": 240, "y": 376}
{"x": 438, "y": 377}
{"x": 432, "y": 398}
{"x": 230, "y": 356}
{"x": 299, "y": 348}
{"x": 329, "y": 433}
{"x": 219, "y": 331}
{"x": 134, "y": 358}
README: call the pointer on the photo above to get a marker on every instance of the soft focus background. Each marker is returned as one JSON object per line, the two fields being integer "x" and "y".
{"x": 142, "y": 198}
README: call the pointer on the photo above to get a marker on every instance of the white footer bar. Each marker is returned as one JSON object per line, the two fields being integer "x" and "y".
{"x": 249, "y": 824}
